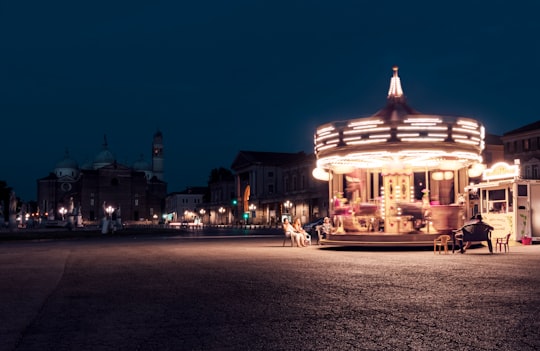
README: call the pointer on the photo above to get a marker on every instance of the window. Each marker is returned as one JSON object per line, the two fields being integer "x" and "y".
{"x": 522, "y": 190}
{"x": 526, "y": 144}
{"x": 271, "y": 189}
{"x": 534, "y": 171}
{"x": 498, "y": 194}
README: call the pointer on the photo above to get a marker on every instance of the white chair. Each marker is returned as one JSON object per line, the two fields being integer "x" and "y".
{"x": 288, "y": 234}
{"x": 308, "y": 239}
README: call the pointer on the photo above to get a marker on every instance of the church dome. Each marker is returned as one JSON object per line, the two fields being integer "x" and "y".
{"x": 67, "y": 162}
{"x": 67, "y": 167}
{"x": 141, "y": 165}
{"x": 104, "y": 157}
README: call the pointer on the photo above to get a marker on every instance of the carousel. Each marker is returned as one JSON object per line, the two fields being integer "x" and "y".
{"x": 394, "y": 177}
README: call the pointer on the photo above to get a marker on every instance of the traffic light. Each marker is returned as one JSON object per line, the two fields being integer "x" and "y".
{"x": 246, "y": 215}
{"x": 234, "y": 202}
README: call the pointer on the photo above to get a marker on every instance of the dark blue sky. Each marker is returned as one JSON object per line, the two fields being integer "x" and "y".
{"x": 217, "y": 77}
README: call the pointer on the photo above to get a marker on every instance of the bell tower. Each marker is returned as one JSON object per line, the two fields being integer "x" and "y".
{"x": 157, "y": 155}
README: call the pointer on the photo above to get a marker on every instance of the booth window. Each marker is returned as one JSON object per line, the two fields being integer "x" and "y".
{"x": 522, "y": 190}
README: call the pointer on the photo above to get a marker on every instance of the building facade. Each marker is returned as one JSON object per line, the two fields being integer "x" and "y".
{"x": 104, "y": 187}
{"x": 523, "y": 145}
{"x": 271, "y": 185}
{"x": 186, "y": 206}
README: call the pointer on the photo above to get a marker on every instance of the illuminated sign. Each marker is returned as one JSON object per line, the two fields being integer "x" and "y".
{"x": 501, "y": 170}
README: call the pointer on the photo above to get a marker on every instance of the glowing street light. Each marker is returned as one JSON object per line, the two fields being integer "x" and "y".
{"x": 202, "y": 211}
{"x": 221, "y": 211}
{"x": 62, "y": 211}
{"x": 109, "y": 210}
{"x": 288, "y": 205}
{"x": 252, "y": 209}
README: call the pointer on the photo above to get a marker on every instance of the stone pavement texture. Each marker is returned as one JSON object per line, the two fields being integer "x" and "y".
{"x": 158, "y": 292}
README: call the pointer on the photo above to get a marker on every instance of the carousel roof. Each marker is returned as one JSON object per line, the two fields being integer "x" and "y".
{"x": 396, "y": 104}
{"x": 398, "y": 136}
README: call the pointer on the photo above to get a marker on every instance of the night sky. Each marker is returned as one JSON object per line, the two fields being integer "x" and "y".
{"x": 221, "y": 76}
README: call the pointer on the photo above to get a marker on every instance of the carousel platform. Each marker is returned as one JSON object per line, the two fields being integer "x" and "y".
{"x": 376, "y": 239}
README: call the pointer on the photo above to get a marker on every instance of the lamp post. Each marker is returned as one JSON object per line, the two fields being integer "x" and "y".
{"x": 221, "y": 211}
{"x": 288, "y": 205}
{"x": 109, "y": 211}
{"x": 62, "y": 211}
{"x": 202, "y": 211}
{"x": 252, "y": 209}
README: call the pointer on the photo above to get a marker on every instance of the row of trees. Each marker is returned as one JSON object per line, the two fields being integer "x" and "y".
{"x": 5, "y": 192}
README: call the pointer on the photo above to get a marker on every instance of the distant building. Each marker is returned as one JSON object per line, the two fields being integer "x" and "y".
{"x": 135, "y": 192}
{"x": 222, "y": 191}
{"x": 186, "y": 205}
{"x": 493, "y": 151}
{"x": 270, "y": 185}
{"x": 523, "y": 144}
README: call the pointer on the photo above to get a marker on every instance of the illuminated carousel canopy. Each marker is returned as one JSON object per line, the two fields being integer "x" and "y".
{"x": 399, "y": 137}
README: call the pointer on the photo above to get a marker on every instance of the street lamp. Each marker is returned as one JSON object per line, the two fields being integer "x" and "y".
{"x": 109, "y": 210}
{"x": 221, "y": 211}
{"x": 202, "y": 211}
{"x": 287, "y": 205}
{"x": 62, "y": 211}
{"x": 252, "y": 209}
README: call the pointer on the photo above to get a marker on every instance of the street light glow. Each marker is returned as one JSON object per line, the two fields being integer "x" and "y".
{"x": 287, "y": 205}
{"x": 62, "y": 211}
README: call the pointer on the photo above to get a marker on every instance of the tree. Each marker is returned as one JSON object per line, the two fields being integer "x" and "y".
{"x": 5, "y": 191}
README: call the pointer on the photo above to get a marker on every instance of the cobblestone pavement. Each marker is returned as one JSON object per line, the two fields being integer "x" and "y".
{"x": 251, "y": 293}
